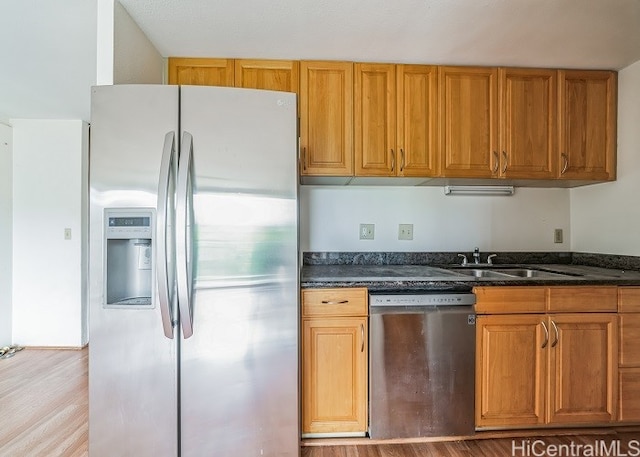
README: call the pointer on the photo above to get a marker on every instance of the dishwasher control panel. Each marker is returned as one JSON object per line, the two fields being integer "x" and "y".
{"x": 436, "y": 299}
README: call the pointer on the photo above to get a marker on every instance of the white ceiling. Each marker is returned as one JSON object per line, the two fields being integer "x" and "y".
{"x": 540, "y": 33}
{"x": 48, "y": 52}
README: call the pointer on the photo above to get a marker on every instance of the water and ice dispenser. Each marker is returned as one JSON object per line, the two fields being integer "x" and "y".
{"x": 129, "y": 268}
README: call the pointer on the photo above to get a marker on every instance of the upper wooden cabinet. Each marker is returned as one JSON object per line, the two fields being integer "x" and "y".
{"x": 588, "y": 132}
{"x": 280, "y": 75}
{"x": 468, "y": 121}
{"x": 527, "y": 124}
{"x": 395, "y": 120}
{"x": 375, "y": 120}
{"x": 498, "y": 123}
{"x": 201, "y": 72}
{"x": 530, "y": 126}
{"x": 326, "y": 118}
{"x": 417, "y": 121}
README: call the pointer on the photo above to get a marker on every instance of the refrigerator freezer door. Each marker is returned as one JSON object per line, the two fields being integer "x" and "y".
{"x": 132, "y": 364}
{"x": 239, "y": 370}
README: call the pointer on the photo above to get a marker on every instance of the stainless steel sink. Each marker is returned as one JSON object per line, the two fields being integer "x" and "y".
{"x": 505, "y": 273}
{"x": 480, "y": 273}
{"x": 529, "y": 273}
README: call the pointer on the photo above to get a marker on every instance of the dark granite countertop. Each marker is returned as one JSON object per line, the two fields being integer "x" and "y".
{"x": 451, "y": 277}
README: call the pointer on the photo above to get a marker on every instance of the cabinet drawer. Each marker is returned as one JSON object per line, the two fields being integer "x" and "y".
{"x": 629, "y": 299}
{"x": 510, "y": 300}
{"x": 583, "y": 299}
{"x": 629, "y": 405}
{"x": 334, "y": 302}
{"x": 630, "y": 340}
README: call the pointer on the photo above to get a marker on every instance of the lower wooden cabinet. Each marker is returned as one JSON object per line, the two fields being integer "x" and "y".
{"x": 629, "y": 380}
{"x": 334, "y": 361}
{"x": 583, "y": 368}
{"x": 543, "y": 369}
{"x": 510, "y": 369}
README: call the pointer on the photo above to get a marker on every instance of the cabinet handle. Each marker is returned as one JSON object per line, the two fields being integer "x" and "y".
{"x": 333, "y": 302}
{"x": 401, "y": 159}
{"x": 497, "y": 162}
{"x": 506, "y": 162}
{"x": 393, "y": 161}
{"x": 565, "y": 159}
{"x": 546, "y": 335}
{"x": 304, "y": 159}
{"x": 362, "y": 336}
{"x": 555, "y": 329}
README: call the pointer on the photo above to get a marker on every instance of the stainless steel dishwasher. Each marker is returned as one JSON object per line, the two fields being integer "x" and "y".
{"x": 422, "y": 364}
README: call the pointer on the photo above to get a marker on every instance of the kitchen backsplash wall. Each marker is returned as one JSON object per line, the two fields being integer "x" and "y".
{"x": 330, "y": 219}
{"x": 605, "y": 218}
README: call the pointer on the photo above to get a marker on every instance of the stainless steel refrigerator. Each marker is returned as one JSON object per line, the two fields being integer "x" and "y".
{"x": 193, "y": 272}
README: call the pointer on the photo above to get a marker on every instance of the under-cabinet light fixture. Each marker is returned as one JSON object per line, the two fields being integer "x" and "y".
{"x": 479, "y": 190}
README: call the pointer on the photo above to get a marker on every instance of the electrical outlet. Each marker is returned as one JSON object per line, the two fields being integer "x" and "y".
{"x": 557, "y": 236}
{"x": 367, "y": 231}
{"x": 405, "y": 231}
{"x": 67, "y": 234}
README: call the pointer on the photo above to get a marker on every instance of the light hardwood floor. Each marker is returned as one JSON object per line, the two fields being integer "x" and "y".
{"x": 44, "y": 413}
{"x": 44, "y": 404}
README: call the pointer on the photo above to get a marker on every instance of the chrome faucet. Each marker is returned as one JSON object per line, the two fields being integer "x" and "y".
{"x": 476, "y": 256}
{"x": 490, "y": 257}
{"x": 464, "y": 259}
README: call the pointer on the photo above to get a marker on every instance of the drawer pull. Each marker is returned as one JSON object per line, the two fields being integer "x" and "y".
{"x": 333, "y": 302}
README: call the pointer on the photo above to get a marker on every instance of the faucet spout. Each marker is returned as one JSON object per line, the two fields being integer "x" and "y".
{"x": 476, "y": 256}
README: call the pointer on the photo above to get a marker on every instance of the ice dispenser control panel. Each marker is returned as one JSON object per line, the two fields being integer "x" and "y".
{"x": 129, "y": 258}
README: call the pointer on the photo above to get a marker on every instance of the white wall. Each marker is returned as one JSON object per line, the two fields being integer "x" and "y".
{"x": 124, "y": 53}
{"x": 605, "y": 218}
{"x": 135, "y": 59}
{"x": 104, "y": 41}
{"x": 48, "y": 57}
{"x": 49, "y": 194}
{"x": 6, "y": 140}
{"x": 330, "y": 217}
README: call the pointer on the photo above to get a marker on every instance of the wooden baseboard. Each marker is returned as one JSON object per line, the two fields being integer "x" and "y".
{"x": 55, "y": 348}
{"x": 494, "y": 434}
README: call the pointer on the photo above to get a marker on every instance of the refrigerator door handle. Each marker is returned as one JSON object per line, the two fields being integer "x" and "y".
{"x": 163, "y": 215}
{"x": 184, "y": 237}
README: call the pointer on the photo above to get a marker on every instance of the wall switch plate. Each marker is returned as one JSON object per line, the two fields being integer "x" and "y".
{"x": 405, "y": 231}
{"x": 557, "y": 236}
{"x": 367, "y": 231}
{"x": 67, "y": 234}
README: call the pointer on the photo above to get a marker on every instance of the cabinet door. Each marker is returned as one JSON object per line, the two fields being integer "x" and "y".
{"x": 416, "y": 135}
{"x": 511, "y": 359}
{"x": 326, "y": 118}
{"x": 587, "y": 101}
{"x": 629, "y": 403}
{"x": 201, "y": 72}
{"x": 280, "y": 75}
{"x": 334, "y": 375}
{"x": 528, "y": 123}
{"x": 469, "y": 122}
{"x": 375, "y": 120}
{"x": 583, "y": 368}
